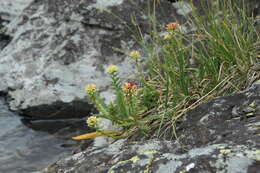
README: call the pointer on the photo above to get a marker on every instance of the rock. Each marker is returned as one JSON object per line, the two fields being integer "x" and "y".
{"x": 230, "y": 119}
{"x": 160, "y": 157}
{"x": 11, "y": 9}
{"x": 221, "y": 135}
{"x": 59, "y": 46}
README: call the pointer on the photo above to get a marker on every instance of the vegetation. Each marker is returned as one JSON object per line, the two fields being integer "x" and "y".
{"x": 185, "y": 69}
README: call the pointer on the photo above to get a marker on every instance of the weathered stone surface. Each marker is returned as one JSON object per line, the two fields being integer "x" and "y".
{"x": 11, "y": 9}
{"x": 160, "y": 157}
{"x": 219, "y": 136}
{"x": 59, "y": 46}
{"x": 233, "y": 119}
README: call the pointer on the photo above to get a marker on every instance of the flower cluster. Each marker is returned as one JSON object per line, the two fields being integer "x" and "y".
{"x": 112, "y": 69}
{"x": 135, "y": 54}
{"x": 92, "y": 121}
{"x": 91, "y": 88}
{"x": 129, "y": 87}
{"x": 172, "y": 26}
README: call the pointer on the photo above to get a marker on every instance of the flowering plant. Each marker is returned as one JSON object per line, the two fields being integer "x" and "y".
{"x": 125, "y": 112}
{"x": 209, "y": 55}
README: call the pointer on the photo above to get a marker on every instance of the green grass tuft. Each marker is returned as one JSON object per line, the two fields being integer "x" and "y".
{"x": 186, "y": 69}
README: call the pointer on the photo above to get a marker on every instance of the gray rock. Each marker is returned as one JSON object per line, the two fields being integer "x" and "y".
{"x": 219, "y": 136}
{"x": 59, "y": 46}
{"x": 229, "y": 119}
{"x": 11, "y": 9}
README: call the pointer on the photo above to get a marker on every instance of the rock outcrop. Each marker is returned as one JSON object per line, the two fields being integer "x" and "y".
{"x": 51, "y": 48}
{"x": 58, "y": 47}
{"x": 12, "y": 9}
{"x": 219, "y": 136}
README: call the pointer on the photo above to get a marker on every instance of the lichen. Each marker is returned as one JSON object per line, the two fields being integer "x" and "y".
{"x": 150, "y": 152}
{"x": 135, "y": 159}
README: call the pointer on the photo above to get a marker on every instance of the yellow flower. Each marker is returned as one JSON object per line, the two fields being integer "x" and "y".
{"x": 112, "y": 69}
{"x": 172, "y": 26}
{"x": 91, "y": 88}
{"x": 92, "y": 121}
{"x": 135, "y": 54}
{"x": 129, "y": 87}
{"x": 167, "y": 36}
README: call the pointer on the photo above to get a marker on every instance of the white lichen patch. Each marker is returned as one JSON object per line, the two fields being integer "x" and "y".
{"x": 101, "y": 4}
{"x": 76, "y": 157}
{"x": 170, "y": 156}
{"x": 145, "y": 162}
{"x": 239, "y": 164}
{"x": 115, "y": 147}
{"x": 201, "y": 151}
{"x": 190, "y": 166}
{"x": 155, "y": 145}
{"x": 236, "y": 159}
{"x": 170, "y": 166}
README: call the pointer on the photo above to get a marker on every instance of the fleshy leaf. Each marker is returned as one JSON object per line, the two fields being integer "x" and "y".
{"x": 88, "y": 136}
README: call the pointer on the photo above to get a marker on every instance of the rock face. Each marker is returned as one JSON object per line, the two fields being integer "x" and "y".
{"x": 216, "y": 137}
{"x": 11, "y": 9}
{"x": 59, "y": 46}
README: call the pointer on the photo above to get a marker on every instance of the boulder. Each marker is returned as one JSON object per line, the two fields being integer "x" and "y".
{"x": 59, "y": 46}
{"x": 221, "y": 135}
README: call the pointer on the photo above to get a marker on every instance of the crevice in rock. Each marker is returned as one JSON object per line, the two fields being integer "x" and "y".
{"x": 53, "y": 126}
{"x": 4, "y": 38}
{"x": 4, "y": 41}
{"x": 5, "y": 98}
{"x": 59, "y": 110}
{"x": 98, "y": 26}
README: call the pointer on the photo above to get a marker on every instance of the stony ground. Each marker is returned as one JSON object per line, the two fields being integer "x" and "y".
{"x": 221, "y": 136}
